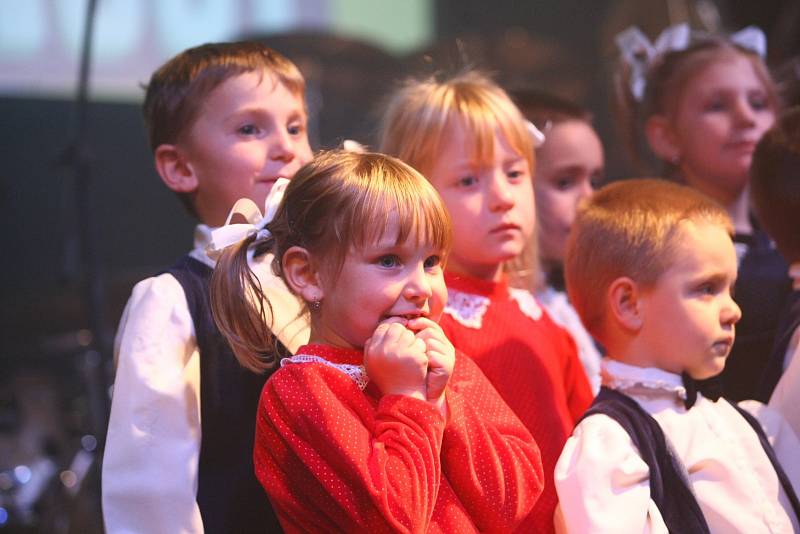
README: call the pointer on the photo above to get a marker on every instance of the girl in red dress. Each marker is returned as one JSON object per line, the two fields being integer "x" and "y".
{"x": 475, "y": 147}
{"x": 378, "y": 424}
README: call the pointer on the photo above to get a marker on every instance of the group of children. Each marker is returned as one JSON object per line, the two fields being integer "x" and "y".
{"x": 379, "y": 352}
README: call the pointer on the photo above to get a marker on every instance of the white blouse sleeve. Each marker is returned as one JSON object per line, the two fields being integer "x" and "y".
{"x": 603, "y": 483}
{"x": 152, "y": 450}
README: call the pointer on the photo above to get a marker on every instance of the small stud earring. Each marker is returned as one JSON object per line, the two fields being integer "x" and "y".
{"x": 315, "y": 304}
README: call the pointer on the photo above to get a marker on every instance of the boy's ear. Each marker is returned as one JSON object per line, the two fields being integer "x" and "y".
{"x": 625, "y": 303}
{"x": 661, "y": 139}
{"x": 301, "y": 274}
{"x": 174, "y": 169}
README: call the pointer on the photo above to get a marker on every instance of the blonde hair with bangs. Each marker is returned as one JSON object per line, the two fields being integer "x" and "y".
{"x": 629, "y": 229}
{"x": 422, "y": 113}
{"x": 339, "y": 202}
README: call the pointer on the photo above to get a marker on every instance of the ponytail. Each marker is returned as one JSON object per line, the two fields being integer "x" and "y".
{"x": 240, "y": 308}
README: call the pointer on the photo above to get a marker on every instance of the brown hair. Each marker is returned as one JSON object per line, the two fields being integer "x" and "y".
{"x": 339, "y": 202}
{"x": 541, "y": 108}
{"x": 176, "y": 92}
{"x": 775, "y": 183}
{"x": 421, "y": 114}
{"x": 665, "y": 81}
{"x": 629, "y": 228}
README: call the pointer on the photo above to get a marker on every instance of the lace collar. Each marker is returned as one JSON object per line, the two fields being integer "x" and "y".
{"x": 468, "y": 299}
{"x": 348, "y": 361}
{"x": 650, "y": 381}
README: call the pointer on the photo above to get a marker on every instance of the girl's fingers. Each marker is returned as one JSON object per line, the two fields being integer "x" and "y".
{"x": 421, "y": 324}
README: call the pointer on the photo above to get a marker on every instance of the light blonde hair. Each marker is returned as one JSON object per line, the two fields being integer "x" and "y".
{"x": 666, "y": 79}
{"x": 422, "y": 113}
{"x": 629, "y": 229}
{"x": 339, "y": 202}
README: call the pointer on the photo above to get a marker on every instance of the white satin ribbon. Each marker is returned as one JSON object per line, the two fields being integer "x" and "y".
{"x": 230, "y": 234}
{"x": 536, "y": 134}
{"x": 638, "y": 52}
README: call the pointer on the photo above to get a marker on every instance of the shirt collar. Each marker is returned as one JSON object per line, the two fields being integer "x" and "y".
{"x": 647, "y": 380}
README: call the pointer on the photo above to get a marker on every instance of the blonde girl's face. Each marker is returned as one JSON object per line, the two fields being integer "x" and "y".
{"x": 382, "y": 281}
{"x": 490, "y": 203}
{"x": 723, "y": 112}
{"x": 568, "y": 167}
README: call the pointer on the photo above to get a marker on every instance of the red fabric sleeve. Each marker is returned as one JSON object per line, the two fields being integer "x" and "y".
{"x": 489, "y": 457}
{"x": 576, "y": 384}
{"x": 332, "y": 460}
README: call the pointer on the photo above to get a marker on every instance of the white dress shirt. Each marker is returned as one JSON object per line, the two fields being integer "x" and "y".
{"x": 149, "y": 474}
{"x": 603, "y": 484}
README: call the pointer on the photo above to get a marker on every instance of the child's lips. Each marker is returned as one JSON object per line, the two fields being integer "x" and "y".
{"x": 723, "y": 346}
{"x": 743, "y": 145}
{"x": 504, "y": 228}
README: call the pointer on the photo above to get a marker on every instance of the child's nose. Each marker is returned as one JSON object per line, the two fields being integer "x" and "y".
{"x": 745, "y": 113}
{"x": 501, "y": 196}
{"x": 731, "y": 312}
{"x": 585, "y": 190}
{"x": 418, "y": 287}
{"x": 281, "y": 147}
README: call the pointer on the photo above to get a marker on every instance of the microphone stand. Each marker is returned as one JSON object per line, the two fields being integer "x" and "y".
{"x": 93, "y": 363}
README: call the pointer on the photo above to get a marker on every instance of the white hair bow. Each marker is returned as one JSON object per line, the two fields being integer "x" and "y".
{"x": 638, "y": 52}
{"x": 536, "y": 134}
{"x": 230, "y": 234}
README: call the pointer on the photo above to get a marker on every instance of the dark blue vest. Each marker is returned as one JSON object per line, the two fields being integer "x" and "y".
{"x": 230, "y": 498}
{"x": 669, "y": 488}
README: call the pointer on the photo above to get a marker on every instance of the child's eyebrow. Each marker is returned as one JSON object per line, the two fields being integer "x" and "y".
{"x": 511, "y": 160}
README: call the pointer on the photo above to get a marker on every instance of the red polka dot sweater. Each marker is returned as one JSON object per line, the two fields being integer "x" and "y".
{"x": 334, "y": 457}
{"x": 531, "y": 361}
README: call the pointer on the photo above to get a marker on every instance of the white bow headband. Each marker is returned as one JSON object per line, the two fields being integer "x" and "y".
{"x": 230, "y": 234}
{"x": 638, "y": 52}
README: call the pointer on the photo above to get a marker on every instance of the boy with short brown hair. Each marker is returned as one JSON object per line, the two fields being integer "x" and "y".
{"x": 225, "y": 121}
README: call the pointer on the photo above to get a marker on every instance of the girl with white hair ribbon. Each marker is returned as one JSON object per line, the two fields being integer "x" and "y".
{"x": 702, "y": 102}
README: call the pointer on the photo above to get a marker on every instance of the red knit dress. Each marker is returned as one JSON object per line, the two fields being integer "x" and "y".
{"x": 334, "y": 457}
{"x": 530, "y": 360}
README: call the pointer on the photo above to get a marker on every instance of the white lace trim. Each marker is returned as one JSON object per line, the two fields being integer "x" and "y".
{"x": 466, "y": 308}
{"x": 526, "y": 302}
{"x": 469, "y": 309}
{"x": 356, "y": 372}
{"x": 623, "y": 377}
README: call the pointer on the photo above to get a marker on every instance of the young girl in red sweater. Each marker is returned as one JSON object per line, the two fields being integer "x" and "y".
{"x": 378, "y": 424}
{"x": 472, "y": 143}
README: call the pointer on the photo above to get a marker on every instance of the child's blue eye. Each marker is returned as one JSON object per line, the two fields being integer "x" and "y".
{"x": 759, "y": 103}
{"x": 295, "y": 129}
{"x": 467, "y": 181}
{"x": 432, "y": 261}
{"x": 715, "y": 105}
{"x": 388, "y": 261}
{"x": 707, "y": 289}
{"x": 563, "y": 183}
{"x": 248, "y": 129}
